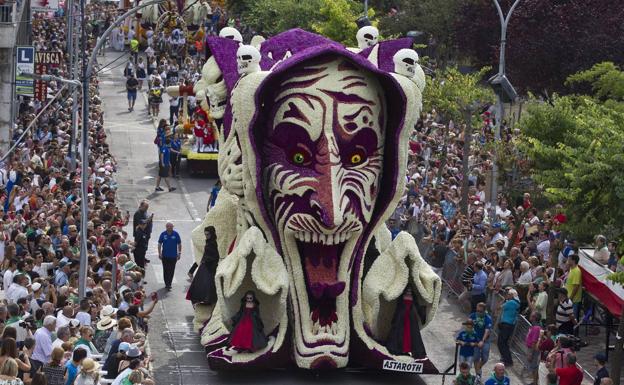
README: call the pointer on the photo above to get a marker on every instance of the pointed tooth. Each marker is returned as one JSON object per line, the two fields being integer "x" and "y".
{"x": 336, "y": 239}
{"x": 308, "y": 237}
{"x": 315, "y": 328}
{"x": 315, "y": 237}
{"x": 334, "y": 328}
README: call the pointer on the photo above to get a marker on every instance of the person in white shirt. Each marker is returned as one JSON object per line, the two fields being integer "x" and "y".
{"x": 64, "y": 316}
{"x": 17, "y": 289}
{"x": 601, "y": 253}
{"x": 502, "y": 212}
{"x": 543, "y": 246}
{"x": 83, "y": 315}
{"x": 43, "y": 341}
{"x": 525, "y": 274}
{"x": 62, "y": 336}
{"x": 7, "y": 278}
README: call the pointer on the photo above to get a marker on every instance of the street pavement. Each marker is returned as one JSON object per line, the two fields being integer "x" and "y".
{"x": 178, "y": 358}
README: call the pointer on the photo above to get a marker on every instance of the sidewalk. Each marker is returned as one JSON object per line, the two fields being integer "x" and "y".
{"x": 439, "y": 338}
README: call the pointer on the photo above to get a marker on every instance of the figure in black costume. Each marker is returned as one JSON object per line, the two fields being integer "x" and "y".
{"x": 203, "y": 288}
{"x": 404, "y": 337}
{"x": 248, "y": 329}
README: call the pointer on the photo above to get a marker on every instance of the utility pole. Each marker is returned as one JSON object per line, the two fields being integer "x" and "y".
{"x": 72, "y": 46}
{"x": 504, "y": 22}
{"x": 84, "y": 207}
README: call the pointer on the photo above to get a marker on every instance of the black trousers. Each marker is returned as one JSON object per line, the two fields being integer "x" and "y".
{"x": 169, "y": 265}
{"x": 175, "y": 164}
{"x": 475, "y": 299}
{"x": 173, "y": 112}
{"x": 505, "y": 331}
{"x": 139, "y": 256}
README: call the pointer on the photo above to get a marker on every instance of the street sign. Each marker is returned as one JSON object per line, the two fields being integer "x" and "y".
{"x": 24, "y": 69}
{"x": 44, "y": 62}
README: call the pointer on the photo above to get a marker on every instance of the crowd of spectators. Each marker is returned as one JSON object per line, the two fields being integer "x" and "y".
{"x": 507, "y": 261}
{"x": 48, "y": 334}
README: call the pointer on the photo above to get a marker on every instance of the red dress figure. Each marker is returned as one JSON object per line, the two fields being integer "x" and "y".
{"x": 404, "y": 337}
{"x": 248, "y": 332}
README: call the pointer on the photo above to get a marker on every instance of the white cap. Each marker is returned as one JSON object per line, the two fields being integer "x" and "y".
{"x": 36, "y": 286}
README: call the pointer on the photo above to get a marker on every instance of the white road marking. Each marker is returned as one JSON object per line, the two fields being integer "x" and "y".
{"x": 189, "y": 203}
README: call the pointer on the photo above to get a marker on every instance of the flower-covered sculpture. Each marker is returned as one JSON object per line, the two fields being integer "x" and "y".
{"x": 313, "y": 155}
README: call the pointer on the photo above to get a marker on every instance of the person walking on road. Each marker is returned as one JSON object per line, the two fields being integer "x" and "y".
{"x": 164, "y": 165}
{"x": 141, "y": 239}
{"x": 131, "y": 87}
{"x": 169, "y": 251}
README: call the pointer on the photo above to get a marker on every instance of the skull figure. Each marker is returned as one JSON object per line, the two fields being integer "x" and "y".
{"x": 367, "y": 36}
{"x": 405, "y": 62}
{"x": 248, "y": 59}
{"x": 231, "y": 33}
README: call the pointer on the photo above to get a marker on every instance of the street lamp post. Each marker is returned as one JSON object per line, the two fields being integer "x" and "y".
{"x": 504, "y": 22}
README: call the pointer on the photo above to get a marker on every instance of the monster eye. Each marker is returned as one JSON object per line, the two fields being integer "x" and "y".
{"x": 300, "y": 157}
{"x": 357, "y": 157}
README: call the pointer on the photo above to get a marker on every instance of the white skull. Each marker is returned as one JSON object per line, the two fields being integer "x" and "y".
{"x": 367, "y": 36}
{"x": 405, "y": 62}
{"x": 248, "y": 59}
{"x": 231, "y": 33}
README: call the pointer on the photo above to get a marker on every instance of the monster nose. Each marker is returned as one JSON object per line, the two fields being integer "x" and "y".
{"x": 326, "y": 211}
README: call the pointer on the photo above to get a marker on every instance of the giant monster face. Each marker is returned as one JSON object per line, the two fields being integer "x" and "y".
{"x": 322, "y": 163}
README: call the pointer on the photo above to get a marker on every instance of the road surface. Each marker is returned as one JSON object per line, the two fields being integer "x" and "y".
{"x": 178, "y": 356}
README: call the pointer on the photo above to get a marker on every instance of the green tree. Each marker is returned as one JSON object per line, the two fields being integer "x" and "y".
{"x": 575, "y": 145}
{"x": 606, "y": 80}
{"x": 270, "y": 17}
{"x": 434, "y": 17}
{"x": 458, "y": 97}
{"x": 337, "y": 20}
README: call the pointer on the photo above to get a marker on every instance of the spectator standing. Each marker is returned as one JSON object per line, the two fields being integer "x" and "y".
{"x": 72, "y": 366}
{"x": 498, "y": 377}
{"x": 600, "y": 360}
{"x": 565, "y": 313}
{"x": 483, "y": 328}
{"x": 169, "y": 251}
{"x": 438, "y": 255}
{"x": 569, "y": 375}
{"x": 601, "y": 252}
{"x": 43, "y": 342}
{"x": 574, "y": 284}
{"x": 532, "y": 342}
{"x": 53, "y": 370}
{"x": 479, "y": 285}
{"x": 506, "y": 325}
{"x": 8, "y": 373}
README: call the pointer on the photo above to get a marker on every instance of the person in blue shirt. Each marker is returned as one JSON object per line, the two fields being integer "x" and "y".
{"x": 510, "y": 309}
{"x": 164, "y": 165}
{"x": 483, "y": 327}
{"x": 212, "y": 199}
{"x": 479, "y": 285}
{"x": 498, "y": 376}
{"x": 467, "y": 340}
{"x": 176, "y": 155}
{"x": 73, "y": 365}
{"x": 169, "y": 251}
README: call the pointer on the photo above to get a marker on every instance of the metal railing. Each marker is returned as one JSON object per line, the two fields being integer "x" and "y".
{"x": 7, "y": 12}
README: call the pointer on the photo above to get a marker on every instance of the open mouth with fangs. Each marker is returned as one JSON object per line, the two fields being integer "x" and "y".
{"x": 320, "y": 259}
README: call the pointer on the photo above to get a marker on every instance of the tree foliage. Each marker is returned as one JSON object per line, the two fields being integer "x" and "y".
{"x": 270, "y": 17}
{"x": 546, "y": 40}
{"x": 434, "y": 17}
{"x": 575, "y": 145}
{"x": 337, "y": 20}
{"x": 451, "y": 93}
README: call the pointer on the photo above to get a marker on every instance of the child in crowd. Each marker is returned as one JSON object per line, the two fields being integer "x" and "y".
{"x": 464, "y": 377}
{"x": 467, "y": 339}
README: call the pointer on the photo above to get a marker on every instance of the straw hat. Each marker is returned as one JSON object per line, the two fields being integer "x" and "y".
{"x": 89, "y": 366}
{"x": 106, "y": 323}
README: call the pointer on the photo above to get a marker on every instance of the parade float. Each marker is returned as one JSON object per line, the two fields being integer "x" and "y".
{"x": 313, "y": 146}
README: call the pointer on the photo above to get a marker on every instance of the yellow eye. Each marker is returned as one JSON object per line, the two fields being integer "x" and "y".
{"x": 298, "y": 158}
{"x": 356, "y": 159}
